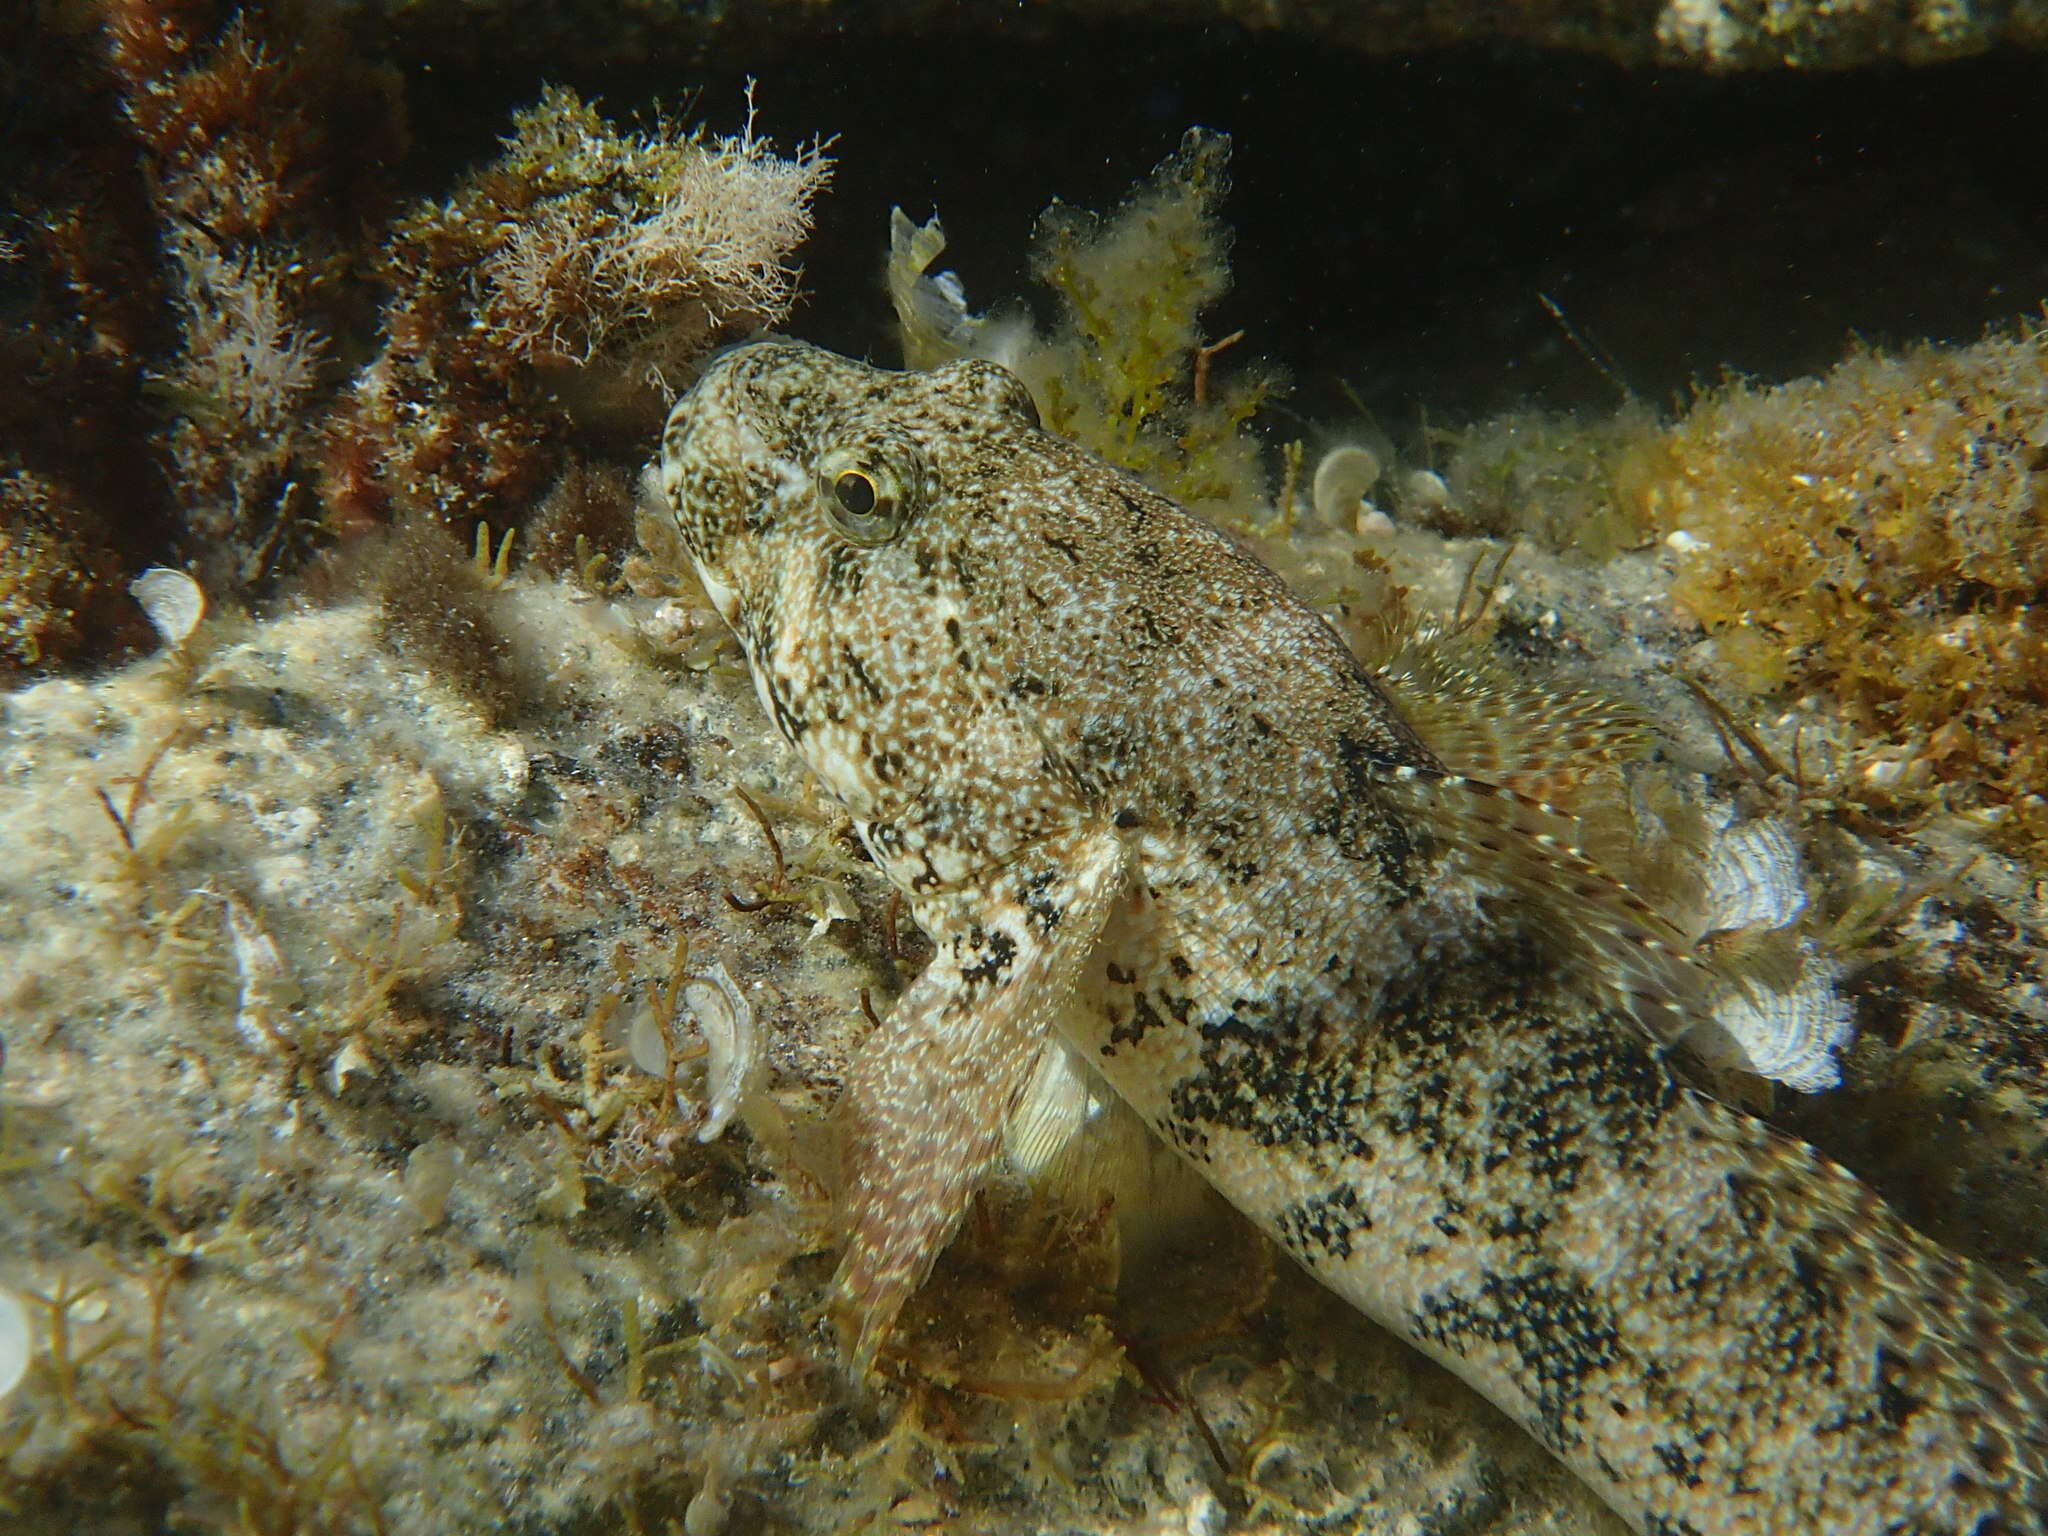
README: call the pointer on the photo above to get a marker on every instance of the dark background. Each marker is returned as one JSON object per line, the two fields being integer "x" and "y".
{"x": 1396, "y": 219}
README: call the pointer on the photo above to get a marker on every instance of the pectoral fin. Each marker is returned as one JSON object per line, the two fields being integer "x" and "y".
{"x": 928, "y": 1097}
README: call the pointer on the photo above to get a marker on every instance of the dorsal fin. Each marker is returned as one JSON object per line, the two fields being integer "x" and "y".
{"x": 1530, "y": 849}
{"x": 1484, "y": 724}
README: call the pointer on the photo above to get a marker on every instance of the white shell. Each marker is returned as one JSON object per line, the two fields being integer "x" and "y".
{"x": 1790, "y": 1037}
{"x": 1343, "y": 476}
{"x": 1787, "y": 1034}
{"x": 172, "y": 600}
{"x": 1425, "y": 489}
{"x": 735, "y": 1045}
{"x": 1753, "y": 878}
{"x": 15, "y": 1343}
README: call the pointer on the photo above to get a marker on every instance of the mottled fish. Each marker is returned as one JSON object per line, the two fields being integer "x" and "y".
{"x": 1142, "y": 798}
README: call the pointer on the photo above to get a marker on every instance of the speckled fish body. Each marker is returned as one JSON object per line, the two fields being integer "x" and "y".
{"x": 1138, "y": 793}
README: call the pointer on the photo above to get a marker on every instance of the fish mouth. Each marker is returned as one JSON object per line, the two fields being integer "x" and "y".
{"x": 724, "y": 598}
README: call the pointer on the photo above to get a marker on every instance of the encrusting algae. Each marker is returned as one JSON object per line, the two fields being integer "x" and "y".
{"x": 379, "y": 1119}
{"x": 547, "y": 301}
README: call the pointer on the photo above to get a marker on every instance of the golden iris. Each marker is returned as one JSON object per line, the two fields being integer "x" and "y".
{"x": 871, "y": 489}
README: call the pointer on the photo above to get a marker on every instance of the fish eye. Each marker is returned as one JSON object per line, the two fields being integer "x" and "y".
{"x": 870, "y": 491}
{"x": 856, "y": 494}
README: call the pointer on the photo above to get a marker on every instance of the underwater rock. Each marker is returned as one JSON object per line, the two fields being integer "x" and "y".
{"x": 1701, "y": 34}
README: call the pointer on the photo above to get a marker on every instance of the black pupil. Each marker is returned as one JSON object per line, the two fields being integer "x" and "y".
{"x": 856, "y": 493}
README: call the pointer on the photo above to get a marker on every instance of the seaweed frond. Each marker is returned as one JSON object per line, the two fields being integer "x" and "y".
{"x": 1126, "y": 371}
{"x": 1121, "y": 373}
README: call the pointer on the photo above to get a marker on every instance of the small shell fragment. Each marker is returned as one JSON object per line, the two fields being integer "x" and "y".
{"x": 15, "y": 1344}
{"x": 707, "y": 1511}
{"x": 645, "y": 1045}
{"x": 173, "y": 601}
{"x": 268, "y": 990}
{"x": 735, "y": 1060}
{"x": 830, "y": 904}
{"x": 350, "y": 1061}
{"x": 429, "y": 1179}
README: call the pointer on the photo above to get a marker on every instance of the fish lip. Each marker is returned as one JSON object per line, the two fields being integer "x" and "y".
{"x": 724, "y": 596}
{"x": 723, "y": 405}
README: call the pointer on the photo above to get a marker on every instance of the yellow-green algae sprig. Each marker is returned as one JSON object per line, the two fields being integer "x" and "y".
{"x": 1126, "y": 369}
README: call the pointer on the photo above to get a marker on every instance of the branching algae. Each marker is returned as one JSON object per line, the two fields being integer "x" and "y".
{"x": 1125, "y": 370}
